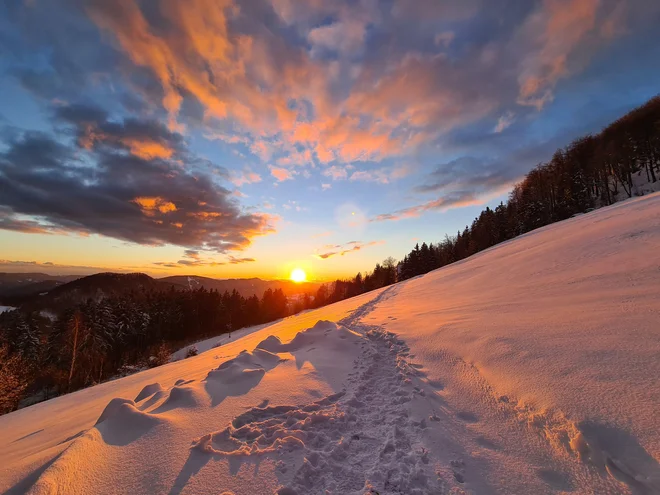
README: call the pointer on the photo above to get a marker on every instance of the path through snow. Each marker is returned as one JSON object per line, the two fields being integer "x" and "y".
{"x": 359, "y": 440}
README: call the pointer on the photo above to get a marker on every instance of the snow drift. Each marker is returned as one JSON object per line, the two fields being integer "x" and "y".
{"x": 529, "y": 368}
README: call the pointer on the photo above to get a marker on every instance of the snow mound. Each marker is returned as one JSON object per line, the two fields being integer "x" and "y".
{"x": 122, "y": 423}
{"x": 148, "y": 391}
{"x": 180, "y": 397}
{"x": 323, "y": 333}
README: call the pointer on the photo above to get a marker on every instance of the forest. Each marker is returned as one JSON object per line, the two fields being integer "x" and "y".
{"x": 87, "y": 343}
{"x": 44, "y": 356}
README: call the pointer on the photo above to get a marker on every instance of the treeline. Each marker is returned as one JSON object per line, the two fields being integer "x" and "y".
{"x": 593, "y": 171}
{"x": 95, "y": 340}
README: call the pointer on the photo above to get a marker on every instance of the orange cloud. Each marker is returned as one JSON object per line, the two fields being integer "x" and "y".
{"x": 141, "y": 146}
{"x": 148, "y": 150}
{"x": 277, "y": 93}
{"x": 281, "y": 174}
{"x": 451, "y": 201}
{"x": 558, "y": 28}
{"x": 150, "y": 205}
{"x": 240, "y": 178}
{"x": 342, "y": 249}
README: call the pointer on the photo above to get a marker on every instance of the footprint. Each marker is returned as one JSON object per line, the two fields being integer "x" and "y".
{"x": 468, "y": 417}
{"x": 436, "y": 384}
{"x": 556, "y": 480}
{"x": 487, "y": 444}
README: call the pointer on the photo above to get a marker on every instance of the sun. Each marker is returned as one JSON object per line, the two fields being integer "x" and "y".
{"x": 298, "y": 275}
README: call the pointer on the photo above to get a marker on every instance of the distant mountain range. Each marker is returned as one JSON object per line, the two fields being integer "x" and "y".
{"x": 41, "y": 291}
{"x": 22, "y": 284}
{"x": 244, "y": 286}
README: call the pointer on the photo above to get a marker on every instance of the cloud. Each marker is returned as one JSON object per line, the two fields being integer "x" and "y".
{"x": 325, "y": 186}
{"x": 471, "y": 175}
{"x": 281, "y": 174}
{"x": 445, "y": 38}
{"x": 466, "y": 181}
{"x": 18, "y": 223}
{"x": 51, "y": 268}
{"x": 191, "y": 253}
{"x": 452, "y": 200}
{"x": 193, "y": 259}
{"x": 151, "y": 205}
{"x": 343, "y": 36}
{"x": 294, "y": 205}
{"x": 504, "y": 122}
{"x": 305, "y": 86}
{"x": 99, "y": 184}
{"x": 341, "y": 249}
{"x": 381, "y": 175}
{"x": 245, "y": 176}
{"x": 257, "y": 87}
{"x": 434, "y": 10}
{"x": 93, "y": 129}
{"x": 556, "y": 31}
{"x": 337, "y": 172}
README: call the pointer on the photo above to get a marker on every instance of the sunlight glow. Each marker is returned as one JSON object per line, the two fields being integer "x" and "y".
{"x": 298, "y": 275}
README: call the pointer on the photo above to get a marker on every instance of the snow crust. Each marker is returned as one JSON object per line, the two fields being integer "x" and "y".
{"x": 529, "y": 368}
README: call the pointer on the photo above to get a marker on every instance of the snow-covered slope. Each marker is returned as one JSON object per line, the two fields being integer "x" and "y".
{"x": 530, "y": 368}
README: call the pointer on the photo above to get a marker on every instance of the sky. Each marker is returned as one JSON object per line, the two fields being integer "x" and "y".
{"x": 239, "y": 139}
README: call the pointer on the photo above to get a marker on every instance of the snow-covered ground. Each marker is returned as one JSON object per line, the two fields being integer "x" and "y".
{"x": 214, "y": 342}
{"x": 529, "y": 368}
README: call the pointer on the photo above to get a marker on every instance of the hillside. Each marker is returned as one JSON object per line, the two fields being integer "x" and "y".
{"x": 13, "y": 285}
{"x": 96, "y": 287}
{"x": 530, "y": 367}
{"x": 246, "y": 287}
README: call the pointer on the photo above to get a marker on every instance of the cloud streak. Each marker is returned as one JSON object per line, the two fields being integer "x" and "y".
{"x": 330, "y": 250}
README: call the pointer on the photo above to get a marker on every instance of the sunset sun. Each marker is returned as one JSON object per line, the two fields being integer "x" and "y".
{"x": 298, "y": 275}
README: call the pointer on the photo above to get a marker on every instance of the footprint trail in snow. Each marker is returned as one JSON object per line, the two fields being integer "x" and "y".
{"x": 360, "y": 440}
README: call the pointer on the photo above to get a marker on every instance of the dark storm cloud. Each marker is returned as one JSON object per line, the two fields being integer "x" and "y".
{"x": 131, "y": 180}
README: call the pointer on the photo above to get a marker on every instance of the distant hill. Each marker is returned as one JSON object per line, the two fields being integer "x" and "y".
{"x": 245, "y": 286}
{"x": 38, "y": 293}
{"x": 14, "y": 285}
{"x": 96, "y": 287}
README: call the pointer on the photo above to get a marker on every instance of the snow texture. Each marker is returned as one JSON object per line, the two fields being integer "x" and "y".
{"x": 529, "y": 368}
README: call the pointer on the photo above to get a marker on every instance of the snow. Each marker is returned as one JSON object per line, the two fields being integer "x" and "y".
{"x": 213, "y": 342}
{"x": 529, "y": 368}
{"x": 6, "y": 308}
